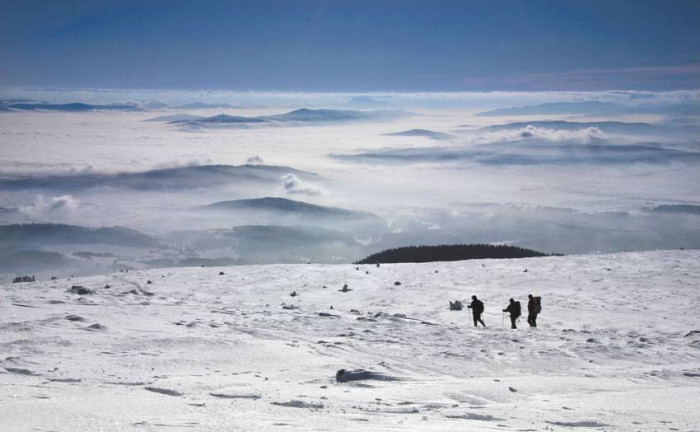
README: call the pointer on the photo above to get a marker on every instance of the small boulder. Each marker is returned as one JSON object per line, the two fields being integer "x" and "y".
{"x": 80, "y": 290}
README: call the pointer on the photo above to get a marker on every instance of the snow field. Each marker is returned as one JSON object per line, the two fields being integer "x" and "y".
{"x": 617, "y": 347}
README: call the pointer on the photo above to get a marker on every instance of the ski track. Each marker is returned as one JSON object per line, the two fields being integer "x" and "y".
{"x": 618, "y": 347}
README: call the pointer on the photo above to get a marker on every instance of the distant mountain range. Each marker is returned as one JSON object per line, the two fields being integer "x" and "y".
{"x": 302, "y": 115}
{"x": 33, "y": 236}
{"x": 438, "y": 136}
{"x": 677, "y": 208}
{"x": 594, "y": 108}
{"x": 262, "y": 244}
{"x": 365, "y": 102}
{"x": 71, "y": 107}
{"x": 161, "y": 179}
{"x": 287, "y": 206}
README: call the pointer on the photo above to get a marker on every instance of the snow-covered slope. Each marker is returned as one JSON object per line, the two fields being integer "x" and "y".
{"x": 618, "y": 348}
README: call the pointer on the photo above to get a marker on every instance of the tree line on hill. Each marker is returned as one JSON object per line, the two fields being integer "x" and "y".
{"x": 416, "y": 254}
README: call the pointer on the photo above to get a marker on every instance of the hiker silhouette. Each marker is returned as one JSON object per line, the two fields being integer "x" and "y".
{"x": 534, "y": 307}
{"x": 514, "y": 310}
{"x": 477, "y": 308}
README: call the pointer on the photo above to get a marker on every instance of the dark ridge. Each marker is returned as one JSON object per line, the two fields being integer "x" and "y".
{"x": 438, "y": 136}
{"x": 45, "y": 234}
{"x": 159, "y": 179}
{"x": 284, "y": 205}
{"x": 28, "y": 260}
{"x": 417, "y": 254}
{"x": 296, "y": 116}
{"x": 72, "y": 107}
{"x": 305, "y": 114}
{"x": 677, "y": 208}
{"x": 221, "y": 118}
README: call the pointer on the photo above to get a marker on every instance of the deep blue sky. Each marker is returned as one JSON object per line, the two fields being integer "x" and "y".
{"x": 374, "y": 45}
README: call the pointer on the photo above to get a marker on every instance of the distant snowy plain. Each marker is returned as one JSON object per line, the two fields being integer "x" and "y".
{"x": 617, "y": 347}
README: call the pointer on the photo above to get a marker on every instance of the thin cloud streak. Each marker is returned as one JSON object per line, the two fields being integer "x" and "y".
{"x": 650, "y": 77}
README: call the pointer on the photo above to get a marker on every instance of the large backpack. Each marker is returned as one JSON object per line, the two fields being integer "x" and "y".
{"x": 538, "y": 304}
{"x": 516, "y": 309}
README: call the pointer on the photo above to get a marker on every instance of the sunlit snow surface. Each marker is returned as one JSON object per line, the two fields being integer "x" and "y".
{"x": 618, "y": 348}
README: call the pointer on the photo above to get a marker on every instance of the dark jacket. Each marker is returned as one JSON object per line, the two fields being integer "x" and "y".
{"x": 477, "y": 307}
{"x": 532, "y": 306}
{"x": 513, "y": 309}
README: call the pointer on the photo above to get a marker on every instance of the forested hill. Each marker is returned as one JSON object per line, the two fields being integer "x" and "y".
{"x": 415, "y": 254}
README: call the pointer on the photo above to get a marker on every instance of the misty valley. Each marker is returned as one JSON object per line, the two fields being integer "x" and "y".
{"x": 205, "y": 185}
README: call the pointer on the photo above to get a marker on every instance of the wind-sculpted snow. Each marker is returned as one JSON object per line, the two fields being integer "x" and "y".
{"x": 616, "y": 347}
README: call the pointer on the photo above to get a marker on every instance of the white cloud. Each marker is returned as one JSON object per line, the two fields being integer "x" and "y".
{"x": 54, "y": 207}
{"x": 294, "y": 185}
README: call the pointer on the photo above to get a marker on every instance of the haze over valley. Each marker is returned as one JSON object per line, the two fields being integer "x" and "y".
{"x": 319, "y": 183}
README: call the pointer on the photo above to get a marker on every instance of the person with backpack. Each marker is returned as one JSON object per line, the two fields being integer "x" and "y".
{"x": 477, "y": 308}
{"x": 534, "y": 307}
{"x": 514, "y": 310}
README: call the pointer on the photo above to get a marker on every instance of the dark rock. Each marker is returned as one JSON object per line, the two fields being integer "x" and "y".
{"x": 20, "y": 371}
{"x": 77, "y": 289}
{"x": 298, "y": 404}
{"x": 74, "y": 318}
{"x": 345, "y": 288}
{"x": 20, "y": 279}
{"x": 229, "y": 396}
{"x": 164, "y": 391}
{"x": 343, "y": 375}
{"x": 221, "y": 273}
{"x": 456, "y": 305}
{"x": 397, "y": 283}
{"x": 293, "y": 294}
